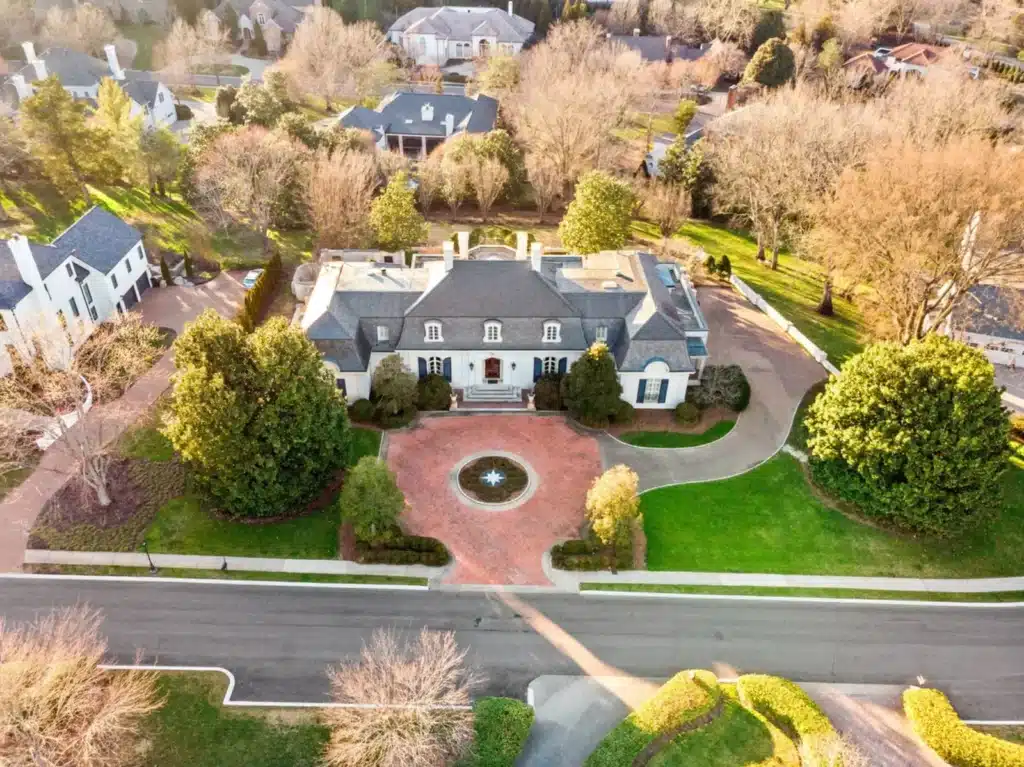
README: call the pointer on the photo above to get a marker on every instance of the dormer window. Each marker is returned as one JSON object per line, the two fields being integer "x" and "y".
{"x": 433, "y": 332}
{"x": 382, "y": 333}
{"x": 492, "y": 332}
{"x": 601, "y": 334}
{"x": 552, "y": 332}
{"x": 261, "y": 19}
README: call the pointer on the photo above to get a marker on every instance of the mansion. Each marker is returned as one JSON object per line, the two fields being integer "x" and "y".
{"x": 493, "y": 319}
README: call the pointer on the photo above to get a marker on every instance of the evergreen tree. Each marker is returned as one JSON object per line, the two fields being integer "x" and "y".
{"x": 591, "y": 390}
{"x": 122, "y": 133}
{"x": 600, "y": 215}
{"x": 773, "y": 64}
{"x": 394, "y": 218}
{"x": 258, "y": 47}
{"x": 370, "y": 499}
{"x": 165, "y": 272}
{"x": 543, "y": 19}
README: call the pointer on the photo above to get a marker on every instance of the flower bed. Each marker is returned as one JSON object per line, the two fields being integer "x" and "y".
{"x": 493, "y": 479}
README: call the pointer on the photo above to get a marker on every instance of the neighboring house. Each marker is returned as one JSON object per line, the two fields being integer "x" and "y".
{"x": 659, "y": 48}
{"x": 134, "y": 11}
{"x": 417, "y": 123}
{"x": 96, "y": 266}
{"x": 991, "y": 318}
{"x": 909, "y": 57}
{"x": 276, "y": 18}
{"x": 438, "y": 35}
{"x": 81, "y": 75}
{"x": 496, "y": 319}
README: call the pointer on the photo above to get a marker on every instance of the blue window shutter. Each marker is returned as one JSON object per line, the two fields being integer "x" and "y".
{"x": 641, "y": 390}
{"x": 422, "y": 361}
{"x": 538, "y": 369}
{"x": 663, "y": 392}
{"x": 563, "y": 365}
{"x": 447, "y": 367}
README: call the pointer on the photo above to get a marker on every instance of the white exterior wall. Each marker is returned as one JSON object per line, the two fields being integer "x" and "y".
{"x": 162, "y": 112}
{"x": 125, "y": 279}
{"x": 462, "y": 376}
{"x": 1000, "y": 351}
{"x": 677, "y": 386}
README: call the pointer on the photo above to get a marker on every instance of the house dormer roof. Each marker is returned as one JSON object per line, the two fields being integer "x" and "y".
{"x": 461, "y": 22}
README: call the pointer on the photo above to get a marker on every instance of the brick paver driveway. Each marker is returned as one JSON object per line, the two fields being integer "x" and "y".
{"x": 169, "y": 307}
{"x": 494, "y": 547}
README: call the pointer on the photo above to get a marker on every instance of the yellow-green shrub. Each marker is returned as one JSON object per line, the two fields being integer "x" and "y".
{"x": 786, "y": 706}
{"x": 685, "y": 697}
{"x": 936, "y": 722}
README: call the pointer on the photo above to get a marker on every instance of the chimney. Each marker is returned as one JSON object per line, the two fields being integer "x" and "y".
{"x": 636, "y": 31}
{"x": 427, "y": 112}
{"x": 509, "y": 7}
{"x": 21, "y": 87}
{"x": 30, "y": 51}
{"x": 536, "y": 253}
{"x": 40, "y": 66}
{"x": 463, "y": 244}
{"x": 26, "y": 264}
{"x": 521, "y": 239}
{"x": 449, "y": 255}
{"x": 449, "y": 124}
{"x": 113, "y": 63}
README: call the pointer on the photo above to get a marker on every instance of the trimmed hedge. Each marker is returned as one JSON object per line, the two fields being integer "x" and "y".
{"x": 936, "y": 722}
{"x": 547, "y": 393}
{"x": 590, "y": 554}
{"x": 683, "y": 698}
{"x": 433, "y": 392}
{"x": 362, "y": 411}
{"x": 785, "y": 705}
{"x": 502, "y": 726}
{"x": 624, "y": 414}
{"x": 1017, "y": 426}
{"x": 259, "y": 297}
{"x": 686, "y": 413}
{"x": 401, "y": 549}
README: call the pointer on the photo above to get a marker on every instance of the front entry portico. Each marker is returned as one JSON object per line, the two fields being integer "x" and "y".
{"x": 492, "y": 370}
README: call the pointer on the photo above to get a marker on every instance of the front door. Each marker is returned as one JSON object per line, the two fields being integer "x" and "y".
{"x": 492, "y": 370}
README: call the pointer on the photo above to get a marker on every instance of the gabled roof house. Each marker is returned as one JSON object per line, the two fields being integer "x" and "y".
{"x": 438, "y": 35}
{"x": 277, "y": 18}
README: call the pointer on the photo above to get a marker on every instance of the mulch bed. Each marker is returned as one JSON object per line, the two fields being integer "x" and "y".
{"x": 663, "y": 420}
{"x": 74, "y": 520}
{"x": 326, "y": 497}
{"x": 514, "y": 482}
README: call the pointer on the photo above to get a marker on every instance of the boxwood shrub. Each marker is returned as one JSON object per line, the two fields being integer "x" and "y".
{"x": 362, "y": 411}
{"x": 686, "y": 413}
{"x": 787, "y": 706}
{"x": 433, "y": 393}
{"x": 683, "y": 698}
{"x": 502, "y": 726}
{"x": 936, "y": 722}
{"x": 590, "y": 554}
{"x": 547, "y": 393}
{"x": 401, "y": 549}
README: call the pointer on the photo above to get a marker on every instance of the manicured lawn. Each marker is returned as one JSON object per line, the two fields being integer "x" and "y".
{"x": 794, "y": 288}
{"x": 192, "y": 729}
{"x": 677, "y": 439}
{"x": 146, "y": 36}
{"x": 146, "y": 442}
{"x": 768, "y": 521}
{"x": 224, "y": 70}
{"x": 234, "y": 575}
{"x": 754, "y": 591}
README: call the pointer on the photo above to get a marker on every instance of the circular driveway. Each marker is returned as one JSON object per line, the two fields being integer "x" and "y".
{"x": 494, "y": 547}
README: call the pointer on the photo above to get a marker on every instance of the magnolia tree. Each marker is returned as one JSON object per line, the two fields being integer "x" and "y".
{"x": 600, "y": 216}
{"x": 395, "y": 222}
{"x": 393, "y": 386}
{"x": 58, "y": 706}
{"x": 406, "y": 703}
{"x": 591, "y": 390}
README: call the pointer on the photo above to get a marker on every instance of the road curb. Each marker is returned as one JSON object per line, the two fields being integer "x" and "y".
{"x": 797, "y": 599}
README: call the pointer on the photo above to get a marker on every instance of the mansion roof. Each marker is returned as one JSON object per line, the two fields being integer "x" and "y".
{"x": 465, "y": 23}
{"x": 423, "y": 114}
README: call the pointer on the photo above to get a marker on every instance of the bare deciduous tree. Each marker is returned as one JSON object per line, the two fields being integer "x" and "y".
{"x": 245, "y": 173}
{"x": 411, "y": 703}
{"x": 429, "y": 180}
{"x": 338, "y": 60}
{"x": 487, "y": 176}
{"x": 732, "y": 20}
{"x": 456, "y": 183}
{"x": 57, "y": 706}
{"x": 83, "y": 28}
{"x": 545, "y": 181}
{"x": 182, "y": 53}
{"x": 341, "y": 187}
{"x": 625, "y": 16}
{"x": 667, "y": 205}
{"x": 922, "y": 227}
{"x": 19, "y": 21}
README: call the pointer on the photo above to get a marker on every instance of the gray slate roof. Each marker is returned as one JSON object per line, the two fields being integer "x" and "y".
{"x": 993, "y": 310}
{"x": 285, "y": 14}
{"x": 72, "y": 68}
{"x": 463, "y": 23}
{"x": 141, "y": 91}
{"x": 402, "y": 114}
{"x": 655, "y": 48}
{"x": 99, "y": 239}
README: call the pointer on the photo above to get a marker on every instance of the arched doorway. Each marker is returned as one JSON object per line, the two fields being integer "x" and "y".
{"x": 492, "y": 370}
{"x": 484, "y": 48}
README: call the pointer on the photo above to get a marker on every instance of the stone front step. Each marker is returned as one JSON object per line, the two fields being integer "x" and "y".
{"x": 492, "y": 393}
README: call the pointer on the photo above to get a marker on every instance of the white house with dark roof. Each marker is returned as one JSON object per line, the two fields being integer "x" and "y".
{"x": 496, "y": 319}
{"x": 95, "y": 267}
{"x": 277, "y": 19}
{"x": 438, "y": 35}
{"x": 81, "y": 75}
{"x": 415, "y": 124}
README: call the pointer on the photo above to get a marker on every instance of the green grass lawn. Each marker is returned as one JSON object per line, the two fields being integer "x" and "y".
{"x": 794, "y": 288}
{"x": 146, "y": 36}
{"x": 768, "y": 521}
{"x": 224, "y": 70}
{"x": 755, "y": 591}
{"x": 195, "y": 93}
{"x": 192, "y": 729}
{"x": 233, "y": 575}
{"x": 677, "y": 439}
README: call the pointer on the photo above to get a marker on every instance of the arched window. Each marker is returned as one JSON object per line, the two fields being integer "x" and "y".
{"x": 492, "y": 332}
{"x": 550, "y": 366}
{"x": 552, "y": 332}
{"x": 433, "y": 331}
{"x": 435, "y": 366}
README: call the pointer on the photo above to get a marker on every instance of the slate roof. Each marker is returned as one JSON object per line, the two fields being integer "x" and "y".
{"x": 12, "y": 289}
{"x": 993, "y": 310}
{"x": 73, "y": 69}
{"x": 99, "y": 239}
{"x": 141, "y": 91}
{"x": 655, "y": 48}
{"x": 402, "y": 114}
{"x": 286, "y": 15}
{"x": 463, "y": 23}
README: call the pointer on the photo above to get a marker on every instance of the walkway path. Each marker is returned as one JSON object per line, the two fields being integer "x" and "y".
{"x": 779, "y": 372}
{"x": 169, "y": 307}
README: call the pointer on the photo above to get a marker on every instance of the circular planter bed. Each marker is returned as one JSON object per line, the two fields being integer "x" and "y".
{"x": 494, "y": 479}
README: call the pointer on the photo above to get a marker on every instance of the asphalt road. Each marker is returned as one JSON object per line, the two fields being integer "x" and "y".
{"x": 277, "y": 640}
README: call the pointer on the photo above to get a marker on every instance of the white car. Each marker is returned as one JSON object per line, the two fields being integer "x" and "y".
{"x": 250, "y": 278}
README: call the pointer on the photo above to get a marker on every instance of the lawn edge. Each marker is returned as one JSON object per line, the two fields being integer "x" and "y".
{"x": 898, "y": 602}
{"x": 214, "y": 581}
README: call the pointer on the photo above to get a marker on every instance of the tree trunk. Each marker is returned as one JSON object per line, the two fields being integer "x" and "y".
{"x": 775, "y": 257}
{"x": 760, "y": 247}
{"x": 825, "y": 305}
{"x": 265, "y": 234}
{"x": 102, "y": 495}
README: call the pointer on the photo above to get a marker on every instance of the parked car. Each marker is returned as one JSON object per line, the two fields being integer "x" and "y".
{"x": 882, "y": 53}
{"x": 250, "y": 278}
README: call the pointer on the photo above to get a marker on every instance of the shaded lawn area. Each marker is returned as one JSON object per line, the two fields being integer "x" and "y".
{"x": 794, "y": 288}
{"x": 769, "y": 521}
{"x": 677, "y": 439}
{"x": 40, "y": 212}
{"x": 192, "y": 729}
{"x": 146, "y": 37}
{"x": 12, "y": 479}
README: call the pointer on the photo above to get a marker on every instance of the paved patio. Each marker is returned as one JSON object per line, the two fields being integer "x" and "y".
{"x": 169, "y": 307}
{"x": 495, "y": 547}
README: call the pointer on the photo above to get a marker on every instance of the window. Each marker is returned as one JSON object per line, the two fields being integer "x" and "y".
{"x": 94, "y": 314}
{"x": 261, "y": 19}
{"x": 340, "y": 384}
{"x": 142, "y": 256}
{"x": 552, "y": 332}
{"x": 435, "y": 366}
{"x": 74, "y": 307}
{"x": 71, "y": 270}
{"x": 87, "y": 293}
{"x": 550, "y": 366}
{"x": 434, "y": 331}
{"x": 601, "y": 334}
{"x": 492, "y": 332}
{"x": 113, "y": 280}
{"x": 128, "y": 265}
{"x": 159, "y": 97}
{"x": 652, "y": 392}
{"x": 382, "y": 333}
